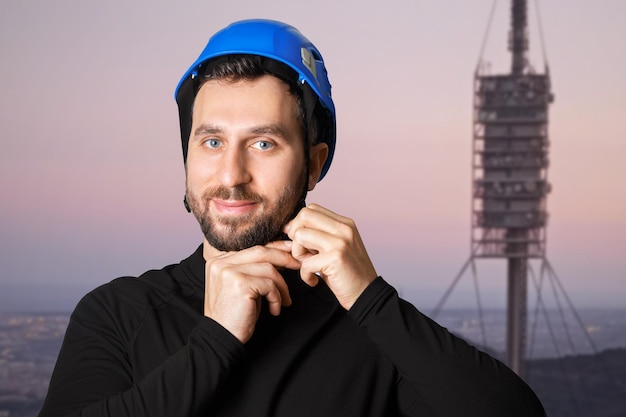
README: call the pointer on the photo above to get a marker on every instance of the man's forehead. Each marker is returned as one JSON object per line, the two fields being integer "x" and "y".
{"x": 242, "y": 81}
{"x": 263, "y": 101}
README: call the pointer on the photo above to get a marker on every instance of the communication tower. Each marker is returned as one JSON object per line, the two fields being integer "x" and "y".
{"x": 509, "y": 190}
{"x": 509, "y": 178}
{"x": 509, "y": 173}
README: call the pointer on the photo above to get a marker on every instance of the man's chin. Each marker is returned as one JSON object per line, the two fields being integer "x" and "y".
{"x": 229, "y": 241}
{"x": 231, "y": 245}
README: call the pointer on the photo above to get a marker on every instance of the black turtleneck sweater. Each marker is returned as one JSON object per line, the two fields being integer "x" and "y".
{"x": 142, "y": 347}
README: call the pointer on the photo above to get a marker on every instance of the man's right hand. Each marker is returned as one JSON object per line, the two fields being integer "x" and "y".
{"x": 235, "y": 283}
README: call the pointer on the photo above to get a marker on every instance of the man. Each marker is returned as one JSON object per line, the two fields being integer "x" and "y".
{"x": 280, "y": 312}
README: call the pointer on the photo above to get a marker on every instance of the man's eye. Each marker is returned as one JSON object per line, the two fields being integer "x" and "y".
{"x": 213, "y": 143}
{"x": 263, "y": 145}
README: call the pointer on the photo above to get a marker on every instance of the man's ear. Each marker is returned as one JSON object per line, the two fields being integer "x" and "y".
{"x": 317, "y": 157}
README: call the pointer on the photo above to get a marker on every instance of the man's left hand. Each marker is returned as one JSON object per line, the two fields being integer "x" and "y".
{"x": 329, "y": 247}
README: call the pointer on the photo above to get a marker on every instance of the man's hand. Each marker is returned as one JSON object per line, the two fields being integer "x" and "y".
{"x": 235, "y": 283}
{"x": 329, "y": 247}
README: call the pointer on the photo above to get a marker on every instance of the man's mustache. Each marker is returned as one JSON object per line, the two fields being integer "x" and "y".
{"x": 232, "y": 193}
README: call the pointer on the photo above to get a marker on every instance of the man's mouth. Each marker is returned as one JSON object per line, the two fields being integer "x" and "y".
{"x": 233, "y": 207}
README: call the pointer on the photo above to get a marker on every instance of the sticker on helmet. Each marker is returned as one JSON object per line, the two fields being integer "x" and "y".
{"x": 309, "y": 61}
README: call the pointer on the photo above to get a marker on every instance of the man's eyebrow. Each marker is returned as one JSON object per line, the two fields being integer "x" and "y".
{"x": 270, "y": 129}
{"x": 207, "y": 130}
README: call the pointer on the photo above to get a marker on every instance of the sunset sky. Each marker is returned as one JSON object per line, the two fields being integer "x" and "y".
{"x": 91, "y": 172}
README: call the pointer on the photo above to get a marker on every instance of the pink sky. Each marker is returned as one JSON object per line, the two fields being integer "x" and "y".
{"x": 91, "y": 171}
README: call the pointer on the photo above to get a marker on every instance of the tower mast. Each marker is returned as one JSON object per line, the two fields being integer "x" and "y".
{"x": 518, "y": 39}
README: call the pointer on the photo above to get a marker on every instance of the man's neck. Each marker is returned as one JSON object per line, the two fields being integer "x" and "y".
{"x": 209, "y": 252}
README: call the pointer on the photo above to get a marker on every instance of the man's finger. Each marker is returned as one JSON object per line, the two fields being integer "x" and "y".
{"x": 275, "y": 253}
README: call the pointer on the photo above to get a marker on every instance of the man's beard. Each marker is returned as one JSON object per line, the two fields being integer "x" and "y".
{"x": 236, "y": 233}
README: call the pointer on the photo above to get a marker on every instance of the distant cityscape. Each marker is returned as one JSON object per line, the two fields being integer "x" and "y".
{"x": 30, "y": 342}
{"x": 29, "y": 345}
{"x": 550, "y": 335}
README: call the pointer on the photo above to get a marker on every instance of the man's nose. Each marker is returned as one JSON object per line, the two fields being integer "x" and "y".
{"x": 233, "y": 169}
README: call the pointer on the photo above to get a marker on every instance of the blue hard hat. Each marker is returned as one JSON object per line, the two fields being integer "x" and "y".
{"x": 277, "y": 41}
